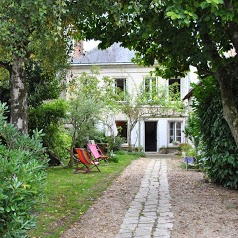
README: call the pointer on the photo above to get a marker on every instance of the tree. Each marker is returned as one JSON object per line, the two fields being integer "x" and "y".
{"x": 41, "y": 30}
{"x": 88, "y": 100}
{"x": 29, "y": 29}
{"x": 178, "y": 34}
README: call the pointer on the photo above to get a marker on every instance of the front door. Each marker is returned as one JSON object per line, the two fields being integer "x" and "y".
{"x": 151, "y": 136}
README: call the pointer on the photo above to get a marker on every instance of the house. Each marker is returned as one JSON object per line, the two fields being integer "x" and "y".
{"x": 152, "y": 130}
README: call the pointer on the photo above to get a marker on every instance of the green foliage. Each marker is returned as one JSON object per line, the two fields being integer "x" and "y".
{"x": 114, "y": 158}
{"x": 218, "y": 150}
{"x": 4, "y": 86}
{"x": 192, "y": 130}
{"x": 121, "y": 152}
{"x": 25, "y": 23}
{"x": 176, "y": 35}
{"x": 191, "y": 152}
{"x": 33, "y": 30}
{"x": 185, "y": 147}
{"x": 83, "y": 115}
{"x": 85, "y": 108}
{"x": 43, "y": 85}
{"x": 69, "y": 195}
{"x": 22, "y": 178}
{"x": 99, "y": 137}
{"x": 114, "y": 143}
{"x": 196, "y": 24}
{"x": 49, "y": 117}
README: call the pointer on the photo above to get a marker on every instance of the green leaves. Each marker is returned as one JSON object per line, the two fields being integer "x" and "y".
{"x": 22, "y": 178}
{"x": 217, "y": 146}
{"x": 173, "y": 15}
{"x": 211, "y": 3}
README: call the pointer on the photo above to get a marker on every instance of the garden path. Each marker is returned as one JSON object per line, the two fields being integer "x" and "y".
{"x": 192, "y": 207}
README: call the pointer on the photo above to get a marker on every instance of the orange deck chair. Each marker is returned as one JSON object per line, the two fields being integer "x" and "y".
{"x": 85, "y": 160}
{"x": 96, "y": 152}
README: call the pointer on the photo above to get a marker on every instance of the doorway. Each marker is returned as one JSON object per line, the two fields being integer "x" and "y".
{"x": 150, "y": 136}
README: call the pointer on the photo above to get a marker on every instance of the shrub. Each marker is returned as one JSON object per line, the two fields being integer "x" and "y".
{"x": 49, "y": 116}
{"x": 22, "y": 178}
{"x": 184, "y": 147}
{"x": 218, "y": 148}
{"x": 114, "y": 159}
{"x": 114, "y": 143}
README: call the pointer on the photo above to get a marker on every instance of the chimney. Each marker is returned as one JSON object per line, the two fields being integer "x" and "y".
{"x": 78, "y": 49}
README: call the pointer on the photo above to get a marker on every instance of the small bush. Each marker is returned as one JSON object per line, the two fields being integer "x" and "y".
{"x": 114, "y": 143}
{"x": 185, "y": 147}
{"x": 114, "y": 159}
{"x": 22, "y": 178}
{"x": 49, "y": 117}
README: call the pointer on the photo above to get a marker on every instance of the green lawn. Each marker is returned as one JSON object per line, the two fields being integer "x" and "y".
{"x": 69, "y": 195}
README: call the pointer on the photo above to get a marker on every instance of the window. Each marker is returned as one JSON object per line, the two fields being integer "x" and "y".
{"x": 150, "y": 88}
{"x": 120, "y": 87}
{"x": 122, "y": 129}
{"x": 174, "y": 89}
{"x": 175, "y": 132}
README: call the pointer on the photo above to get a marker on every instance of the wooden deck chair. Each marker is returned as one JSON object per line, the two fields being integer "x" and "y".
{"x": 85, "y": 160}
{"x": 96, "y": 152}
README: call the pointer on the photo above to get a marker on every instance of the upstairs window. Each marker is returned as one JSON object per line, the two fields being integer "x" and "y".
{"x": 174, "y": 89}
{"x": 120, "y": 87}
{"x": 150, "y": 87}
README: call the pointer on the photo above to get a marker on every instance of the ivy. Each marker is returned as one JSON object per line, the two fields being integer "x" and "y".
{"x": 219, "y": 150}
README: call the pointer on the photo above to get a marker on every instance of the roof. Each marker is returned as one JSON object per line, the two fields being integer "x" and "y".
{"x": 114, "y": 54}
{"x": 190, "y": 92}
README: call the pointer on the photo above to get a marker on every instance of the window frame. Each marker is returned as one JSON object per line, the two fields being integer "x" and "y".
{"x": 175, "y": 135}
{"x": 124, "y": 86}
{"x": 152, "y": 85}
{"x": 124, "y": 131}
{"x": 172, "y": 81}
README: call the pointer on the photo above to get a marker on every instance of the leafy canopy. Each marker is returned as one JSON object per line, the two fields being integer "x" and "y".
{"x": 176, "y": 34}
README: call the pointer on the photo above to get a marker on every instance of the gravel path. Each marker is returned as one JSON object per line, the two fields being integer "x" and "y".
{"x": 104, "y": 218}
{"x": 200, "y": 209}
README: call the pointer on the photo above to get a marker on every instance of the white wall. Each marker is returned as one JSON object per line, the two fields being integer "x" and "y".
{"x": 135, "y": 75}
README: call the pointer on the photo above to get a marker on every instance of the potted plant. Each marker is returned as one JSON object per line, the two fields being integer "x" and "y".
{"x": 163, "y": 150}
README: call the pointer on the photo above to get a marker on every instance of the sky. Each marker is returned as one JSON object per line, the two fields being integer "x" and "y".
{"x": 88, "y": 45}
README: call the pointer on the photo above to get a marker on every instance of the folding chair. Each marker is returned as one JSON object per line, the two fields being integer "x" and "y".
{"x": 85, "y": 160}
{"x": 96, "y": 152}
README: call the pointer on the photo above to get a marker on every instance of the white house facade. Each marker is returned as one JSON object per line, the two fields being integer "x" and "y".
{"x": 149, "y": 133}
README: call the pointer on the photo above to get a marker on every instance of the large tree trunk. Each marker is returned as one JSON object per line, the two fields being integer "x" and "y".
{"x": 230, "y": 112}
{"x": 19, "y": 105}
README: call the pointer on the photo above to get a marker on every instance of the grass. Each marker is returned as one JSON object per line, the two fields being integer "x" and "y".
{"x": 68, "y": 195}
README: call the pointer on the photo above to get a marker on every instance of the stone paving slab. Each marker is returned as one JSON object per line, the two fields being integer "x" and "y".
{"x": 149, "y": 215}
